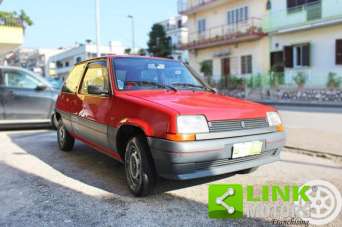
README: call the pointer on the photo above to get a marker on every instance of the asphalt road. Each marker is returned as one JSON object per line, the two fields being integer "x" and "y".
{"x": 41, "y": 186}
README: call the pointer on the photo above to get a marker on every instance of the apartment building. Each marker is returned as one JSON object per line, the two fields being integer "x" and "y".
{"x": 227, "y": 35}
{"x": 35, "y": 60}
{"x": 61, "y": 64}
{"x": 177, "y": 33}
{"x": 11, "y": 33}
{"x": 305, "y": 37}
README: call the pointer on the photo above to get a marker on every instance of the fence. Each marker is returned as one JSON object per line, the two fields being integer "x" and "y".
{"x": 272, "y": 86}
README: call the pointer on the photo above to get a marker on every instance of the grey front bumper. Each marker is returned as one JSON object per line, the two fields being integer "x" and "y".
{"x": 189, "y": 160}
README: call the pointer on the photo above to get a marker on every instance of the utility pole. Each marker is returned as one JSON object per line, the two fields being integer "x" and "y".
{"x": 97, "y": 8}
{"x": 133, "y": 33}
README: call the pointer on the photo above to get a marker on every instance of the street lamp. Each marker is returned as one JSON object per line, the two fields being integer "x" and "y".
{"x": 97, "y": 18}
{"x": 133, "y": 33}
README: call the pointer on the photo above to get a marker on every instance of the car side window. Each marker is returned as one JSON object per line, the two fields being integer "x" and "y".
{"x": 18, "y": 79}
{"x": 74, "y": 78}
{"x": 96, "y": 76}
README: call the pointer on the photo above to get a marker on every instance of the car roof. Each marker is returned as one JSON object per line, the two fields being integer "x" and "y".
{"x": 125, "y": 56}
{"x": 12, "y": 67}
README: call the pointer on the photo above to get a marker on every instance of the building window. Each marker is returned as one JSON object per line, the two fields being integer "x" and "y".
{"x": 297, "y": 55}
{"x": 179, "y": 24}
{"x": 59, "y": 64}
{"x": 297, "y": 3}
{"x": 238, "y": 15}
{"x": 246, "y": 64}
{"x": 201, "y": 25}
{"x": 339, "y": 52}
{"x": 66, "y": 64}
{"x": 78, "y": 59}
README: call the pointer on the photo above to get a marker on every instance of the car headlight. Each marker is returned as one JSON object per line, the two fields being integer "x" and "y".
{"x": 274, "y": 120}
{"x": 192, "y": 124}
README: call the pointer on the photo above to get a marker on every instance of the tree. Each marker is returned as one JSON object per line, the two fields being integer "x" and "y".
{"x": 15, "y": 19}
{"x": 142, "y": 52}
{"x": 159, "y": 44}
{"x": 23, "y": 16}
{"x": 128, "y": 51}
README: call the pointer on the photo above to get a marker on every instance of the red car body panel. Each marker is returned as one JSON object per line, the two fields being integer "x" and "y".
{"x": 153, "y": 111}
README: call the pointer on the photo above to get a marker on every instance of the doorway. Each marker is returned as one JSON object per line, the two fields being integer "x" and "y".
{"x": 225, "y": 71}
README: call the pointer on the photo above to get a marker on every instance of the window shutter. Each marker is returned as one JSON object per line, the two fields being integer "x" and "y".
{"x": 339, "y": 52}
{"x": 249, "y": 64}
{"x": 306, "y": 55}
{"x": 243, "y": 65}
{"x": 288, "y": 56}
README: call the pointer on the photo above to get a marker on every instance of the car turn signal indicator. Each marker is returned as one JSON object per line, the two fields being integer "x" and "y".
{"x": 181, "y": 137}
{"x": 280, "y": 128}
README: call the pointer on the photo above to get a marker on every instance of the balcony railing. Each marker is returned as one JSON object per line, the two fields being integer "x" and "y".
{"x": 321, "y": 11}
{"x": 225, "y": 34}
{"x": 190, "y": 5}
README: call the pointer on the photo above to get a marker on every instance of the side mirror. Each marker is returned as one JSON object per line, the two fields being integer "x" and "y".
{"x": 94, "y": 90}
{"x": 41, "y": 87}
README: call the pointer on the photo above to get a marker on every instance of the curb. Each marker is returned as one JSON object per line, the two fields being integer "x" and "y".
{"x": 314, "y": 153}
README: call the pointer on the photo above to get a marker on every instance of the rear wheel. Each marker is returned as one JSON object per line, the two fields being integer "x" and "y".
{"x": 65, "y": 140}
{"x": 139, "y": 169}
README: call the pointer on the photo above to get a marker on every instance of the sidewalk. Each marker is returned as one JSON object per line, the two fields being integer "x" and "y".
{"x": 316, "y": 131}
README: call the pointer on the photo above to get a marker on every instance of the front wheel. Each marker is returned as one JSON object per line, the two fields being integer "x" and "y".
{"x": 139, "y": 169}
{"x": 65, "y": 140}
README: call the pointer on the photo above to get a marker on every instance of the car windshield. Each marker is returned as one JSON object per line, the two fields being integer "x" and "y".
{"x": 148, "y": 74}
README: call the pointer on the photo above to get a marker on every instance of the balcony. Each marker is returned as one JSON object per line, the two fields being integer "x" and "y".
{"x": 11, "y": 33}
{"x": 225, "y": 34}
{"x": 192, "y": 6}
{"x": 320, "y": 13}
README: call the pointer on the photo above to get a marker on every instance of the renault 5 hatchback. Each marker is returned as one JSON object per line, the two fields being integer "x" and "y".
{"x": 161, "y": 120}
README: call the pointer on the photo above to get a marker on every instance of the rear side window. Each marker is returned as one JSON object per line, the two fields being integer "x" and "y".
{"x": 73, "y": 80}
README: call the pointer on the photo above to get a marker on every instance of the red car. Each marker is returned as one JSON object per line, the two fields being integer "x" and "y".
{"x": 160, "y": 119}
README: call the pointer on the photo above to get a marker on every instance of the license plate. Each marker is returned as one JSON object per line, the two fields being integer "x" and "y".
{"x": 247, "y": 149}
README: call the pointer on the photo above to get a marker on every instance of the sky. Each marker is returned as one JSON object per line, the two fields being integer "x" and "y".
{"x": 62, "y": 23}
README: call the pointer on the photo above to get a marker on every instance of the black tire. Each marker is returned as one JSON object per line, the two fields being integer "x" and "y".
{"x": 248, "y": 171}
{"x": 54, "y": 122}
{"x": 65, "y": 140}
{"x": 139, "y": 169}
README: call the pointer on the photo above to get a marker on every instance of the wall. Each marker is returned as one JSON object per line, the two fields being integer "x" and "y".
{"x": 258, "y": 49}
{"x": 322, "y": 52}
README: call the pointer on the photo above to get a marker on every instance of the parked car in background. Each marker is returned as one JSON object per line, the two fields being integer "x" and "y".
{"x": 159, "y": 119}
{"x": 55, "y": 82}
{"x": 26, "y": 99}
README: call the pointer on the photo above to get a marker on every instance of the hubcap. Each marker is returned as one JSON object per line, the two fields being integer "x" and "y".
{"x": 133, "y": 165}
{"x": 61, "y": 133}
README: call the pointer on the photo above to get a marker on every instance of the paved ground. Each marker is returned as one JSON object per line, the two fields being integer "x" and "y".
{"x": 318, "y": 129}
{"x": 41, "y": 186}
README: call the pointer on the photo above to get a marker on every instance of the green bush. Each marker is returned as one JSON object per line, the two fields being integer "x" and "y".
{"x": 300, "y": 79}
{"x": 334, "y": 82}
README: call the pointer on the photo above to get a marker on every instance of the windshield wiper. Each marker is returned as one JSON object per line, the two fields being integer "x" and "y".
{"x": 194, "y": 86}
{"x": 154, "y": 84}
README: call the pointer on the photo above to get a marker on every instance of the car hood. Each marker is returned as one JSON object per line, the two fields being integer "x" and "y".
{"x": 213, "y": 106}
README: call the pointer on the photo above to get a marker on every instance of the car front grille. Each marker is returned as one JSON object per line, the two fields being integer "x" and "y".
{"x": 234, "y": 125}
